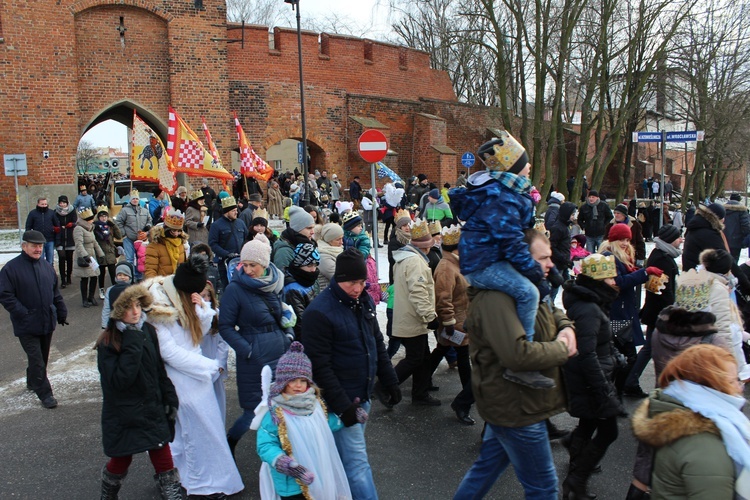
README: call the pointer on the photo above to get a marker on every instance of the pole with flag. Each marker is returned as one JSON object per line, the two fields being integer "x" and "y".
{"x": 251, "y": 164}
{"x": 148, "y": 159}
{"x": 188, "y": 153}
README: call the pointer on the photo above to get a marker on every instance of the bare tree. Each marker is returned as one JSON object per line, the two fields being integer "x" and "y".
{"x": 263, "y": 12}
{"x": 86, "y": 156}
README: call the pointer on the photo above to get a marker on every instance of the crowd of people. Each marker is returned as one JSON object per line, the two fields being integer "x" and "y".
{"x": 198, "y": 274}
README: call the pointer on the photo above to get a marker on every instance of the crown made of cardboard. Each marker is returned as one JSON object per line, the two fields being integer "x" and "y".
{"x": 435, "y": 227}
{"x": 134, "y": 194}
{"x": 102, "y": 208}
{"x": 693, "y": 291}
{"x": 599, "y": 267}
{"x": 402, "y": 214}
{"x": 502, "y": 152}
{"x": 657, "y": 284}
{"x": 197, "y": 195}
{"x": 261, "y": 213}
{"x": 451, "y": 235}
{"x": 420, "y": 229}
{"x": 174, "y": 219}
{"x": 86, "y": 213}
{"x": 228, "y": 202}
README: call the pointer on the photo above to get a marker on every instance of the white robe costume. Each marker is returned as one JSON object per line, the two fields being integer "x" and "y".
{"x": 199, "y": 450}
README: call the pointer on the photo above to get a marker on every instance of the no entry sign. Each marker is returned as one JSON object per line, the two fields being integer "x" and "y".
{"x": 372, "y": 145}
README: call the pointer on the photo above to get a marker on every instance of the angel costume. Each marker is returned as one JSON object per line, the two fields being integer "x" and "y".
{"x": 200, "y": 450}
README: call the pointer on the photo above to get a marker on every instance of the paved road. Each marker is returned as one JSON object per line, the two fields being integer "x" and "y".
{"x": 416, "y": 452}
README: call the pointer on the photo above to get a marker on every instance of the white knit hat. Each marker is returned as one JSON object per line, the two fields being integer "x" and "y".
{"x": 257, "y": 250}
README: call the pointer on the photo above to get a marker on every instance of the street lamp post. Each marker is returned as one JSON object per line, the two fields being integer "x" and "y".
{"x": 305, "y": 166}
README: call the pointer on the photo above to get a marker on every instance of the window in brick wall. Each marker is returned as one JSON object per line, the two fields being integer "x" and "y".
{"x": 368, "y": 51}
{"x": 198, "y": 4}
{"x": 402, "y": 59}
{"x": 325, "y": 46}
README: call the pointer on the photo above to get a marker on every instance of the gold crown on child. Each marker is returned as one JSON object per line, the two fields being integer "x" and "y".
{"x": 451, "y": 235}
{"x": 420, "y": 229}
{"x": 599, "y": 267}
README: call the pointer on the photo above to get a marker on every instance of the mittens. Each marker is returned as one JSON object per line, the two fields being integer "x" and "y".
{"x": 287, "y": 466}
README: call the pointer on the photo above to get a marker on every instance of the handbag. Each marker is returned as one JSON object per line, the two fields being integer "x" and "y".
{"x": 622, "y": 330}
{"x": 83, "y": 261}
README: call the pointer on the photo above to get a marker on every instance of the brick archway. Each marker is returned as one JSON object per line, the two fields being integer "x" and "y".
{"x": 79, "y": 7}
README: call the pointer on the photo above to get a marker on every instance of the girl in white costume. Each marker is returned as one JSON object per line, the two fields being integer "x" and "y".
{"x": 182, "y": 320}
{"x": 295, "y": 438}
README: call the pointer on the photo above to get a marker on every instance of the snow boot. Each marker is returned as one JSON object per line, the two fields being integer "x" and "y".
{"x": 169, "y": 485}
{"x": 111, "y": 484}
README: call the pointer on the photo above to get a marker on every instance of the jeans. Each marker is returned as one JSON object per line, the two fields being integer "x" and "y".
{"x": 527, "y": 448}
{"x": 350, "y": 441}
{"x": 241, "y": 425}
{"x": 48, "y": 252}
{"x": 502, "y": 276}
{"x": 36, "y": 348}
{"x": 415, "y": 365}
{"x": 129, "y": 249}
{"x": 593, "y": 242}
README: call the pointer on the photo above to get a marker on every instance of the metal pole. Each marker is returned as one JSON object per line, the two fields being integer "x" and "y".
{"x": 373, "y": 191}
{"x": 305, "y": 165}
{"x": 663, "y": 166}
{"x": 18, "y": 200}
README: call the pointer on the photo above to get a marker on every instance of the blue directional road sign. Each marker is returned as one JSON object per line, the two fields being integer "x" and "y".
{"x": 685, "y": 136}
{"x": 300, "y": 149}
{"x": 467, "y": 160}
{"x": 646, "y": 136}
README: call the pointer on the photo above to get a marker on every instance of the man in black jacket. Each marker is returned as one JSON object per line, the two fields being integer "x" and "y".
{"x": 593, "y": 216}
{"x": 45, "y": 221}
{"x": 559, "y": 238}
{"x": 29, "y": 292}
{"x": 342, "y": 339}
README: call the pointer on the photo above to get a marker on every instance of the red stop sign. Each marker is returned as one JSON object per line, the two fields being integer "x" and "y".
{"x": 372, "y": 145}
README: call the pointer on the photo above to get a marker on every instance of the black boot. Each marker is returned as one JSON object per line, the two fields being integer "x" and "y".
{"x": 85, "y": 293}
{"x": 63, "y": 283}
{"x": 554, "y": 432}
{"x": 169, "y": 485}
{"x": 111, "y": 484}
{"x": 635, "y": 493}
{"x": 92, "y": 291}
{"x": 232, "y": 444}
{"x": 575, "y": 484}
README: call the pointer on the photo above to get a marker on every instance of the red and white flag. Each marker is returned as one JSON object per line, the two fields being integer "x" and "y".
{"x": 188, "y": 153}
{"x": 251, "y": 164}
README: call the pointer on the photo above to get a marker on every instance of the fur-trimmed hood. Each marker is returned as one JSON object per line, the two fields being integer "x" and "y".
{"x": 734, "y": 205}
{"x": 662, "y": 420}
{"x": 167, "y": 307}
{"x": 707, "y": 215}
{"x": 683, "y": 323}
{"x": 131, "y": 294}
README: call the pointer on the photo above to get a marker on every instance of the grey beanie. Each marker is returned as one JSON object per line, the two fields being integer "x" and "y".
{"x": 299, "y": 219}
{"x": 124, "y": 268}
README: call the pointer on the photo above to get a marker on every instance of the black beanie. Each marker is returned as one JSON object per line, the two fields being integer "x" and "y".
{"x": 62, "y": 198}
{"x": 622, "y": 209}
{"x": 350, "y": 266}
{"x": 191, "y": 276}
{"x": 717, "y": 261}
{"x": 668, "y": 233}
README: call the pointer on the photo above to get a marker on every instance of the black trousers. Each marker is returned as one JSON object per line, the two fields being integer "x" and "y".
{"x": 415, "y": 365}
{"x": 36, "y": 348}
{"x": 103, "y": 274}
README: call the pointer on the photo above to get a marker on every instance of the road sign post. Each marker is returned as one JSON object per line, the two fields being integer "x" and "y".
{"x": 15, "y": 165}
{"x": 467, "y": 160}
{"x": 373, "y": 146}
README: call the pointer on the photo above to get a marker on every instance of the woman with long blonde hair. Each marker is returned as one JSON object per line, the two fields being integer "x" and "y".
{"x": 182, "y": 318}
{"x": 626, "y": 327}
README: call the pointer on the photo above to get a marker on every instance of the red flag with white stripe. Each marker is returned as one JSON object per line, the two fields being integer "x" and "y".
{"x": 251, "y": 164}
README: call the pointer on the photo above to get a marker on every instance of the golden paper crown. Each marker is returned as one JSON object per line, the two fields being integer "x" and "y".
{"x": 656, "y": 284}
{"x": 451, "y": 235}
{"x": 599, "y": 267}
{"x": 102, "y": 208}
{"x": 420, "y": 229}
{"x": 261, "y": 213}
{"x": 435, "y": 227}
{"x": 501, "y": 153}
{"x": 86, "y": 213}
{"x": 174, "y": 219}
{"x": 135, "y": 194}
{"x": 196, "y": 195}
{"x": 228, "y": 202}
{"x": 403, "y": 217}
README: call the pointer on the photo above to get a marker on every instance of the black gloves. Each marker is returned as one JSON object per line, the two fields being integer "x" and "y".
{"x": 433, "y": 325}
{"x": 199, "y": 225}
{"x": 171, "y": 412}
{"x": 355, "y": 414}
{"x": 62, "y": 321}
{"x": 449, "y": 329}
{"x": 388, "y": 396}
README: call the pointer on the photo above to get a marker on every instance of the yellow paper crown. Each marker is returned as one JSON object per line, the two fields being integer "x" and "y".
{"x": 174, "y": 219}
{"x": 135, "y": 194}
{"x": 196, "y": 195}
{"x": 228, "y": 202}
{"x": 501, "y": 153}
{"x": 599, "y": 267}
{"x": 451, "y": 235}
{"x": 420, "y": 229}
{"x": 86, "y": 213}
{"x": 435, "y": 227}
{"x": 402, "y": 216}
{"x": 260, "y": 213}
{"x": 102, "y": 208}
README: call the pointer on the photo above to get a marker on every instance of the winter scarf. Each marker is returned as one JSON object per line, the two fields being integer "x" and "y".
{"x": 667, "y": 248}
{"x": 594, "y": 211}
{"x": 294, "y": 238}
{"x": 725, "y": 411}
{"x": 605, "y": 293}
{"x": 512, "y": 181}
{"x": 102, "y": 230}
{"x": 403, "y": 237}
{"x": 304, "y": 278}
{"x": 272, "y": 282}
{"x": 174, "y": 249}
{"x": 138, "y": 326}
{"x": 298, "y": 404}
{"x": 63, "y": 211}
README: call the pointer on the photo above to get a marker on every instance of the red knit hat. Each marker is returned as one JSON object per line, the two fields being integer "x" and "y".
{"x": 619, "y": 232}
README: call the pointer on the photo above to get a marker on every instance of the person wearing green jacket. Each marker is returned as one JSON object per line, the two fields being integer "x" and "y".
{"x": 437, "y": 209}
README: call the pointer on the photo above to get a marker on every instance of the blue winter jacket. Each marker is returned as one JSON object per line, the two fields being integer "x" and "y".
{"x": 258, "y": 339}
{"x": 28, "y": 290}
{"x": 226, "y": 237}
{"x": 495, "y": 217}
{"x": 342, "y": 338}
{"x": 44, "y": 222}
{"x": 627, "y": 304}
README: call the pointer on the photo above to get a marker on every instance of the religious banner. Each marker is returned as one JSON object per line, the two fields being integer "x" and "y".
{"x": 148, "y": 159}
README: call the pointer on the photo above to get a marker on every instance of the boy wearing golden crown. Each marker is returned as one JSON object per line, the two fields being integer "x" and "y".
{"x": 497, "y": 207}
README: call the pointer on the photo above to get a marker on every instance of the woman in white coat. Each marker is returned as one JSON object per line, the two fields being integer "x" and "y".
{"x": 708, "y": 287}
{"x": 182, "y": 319}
